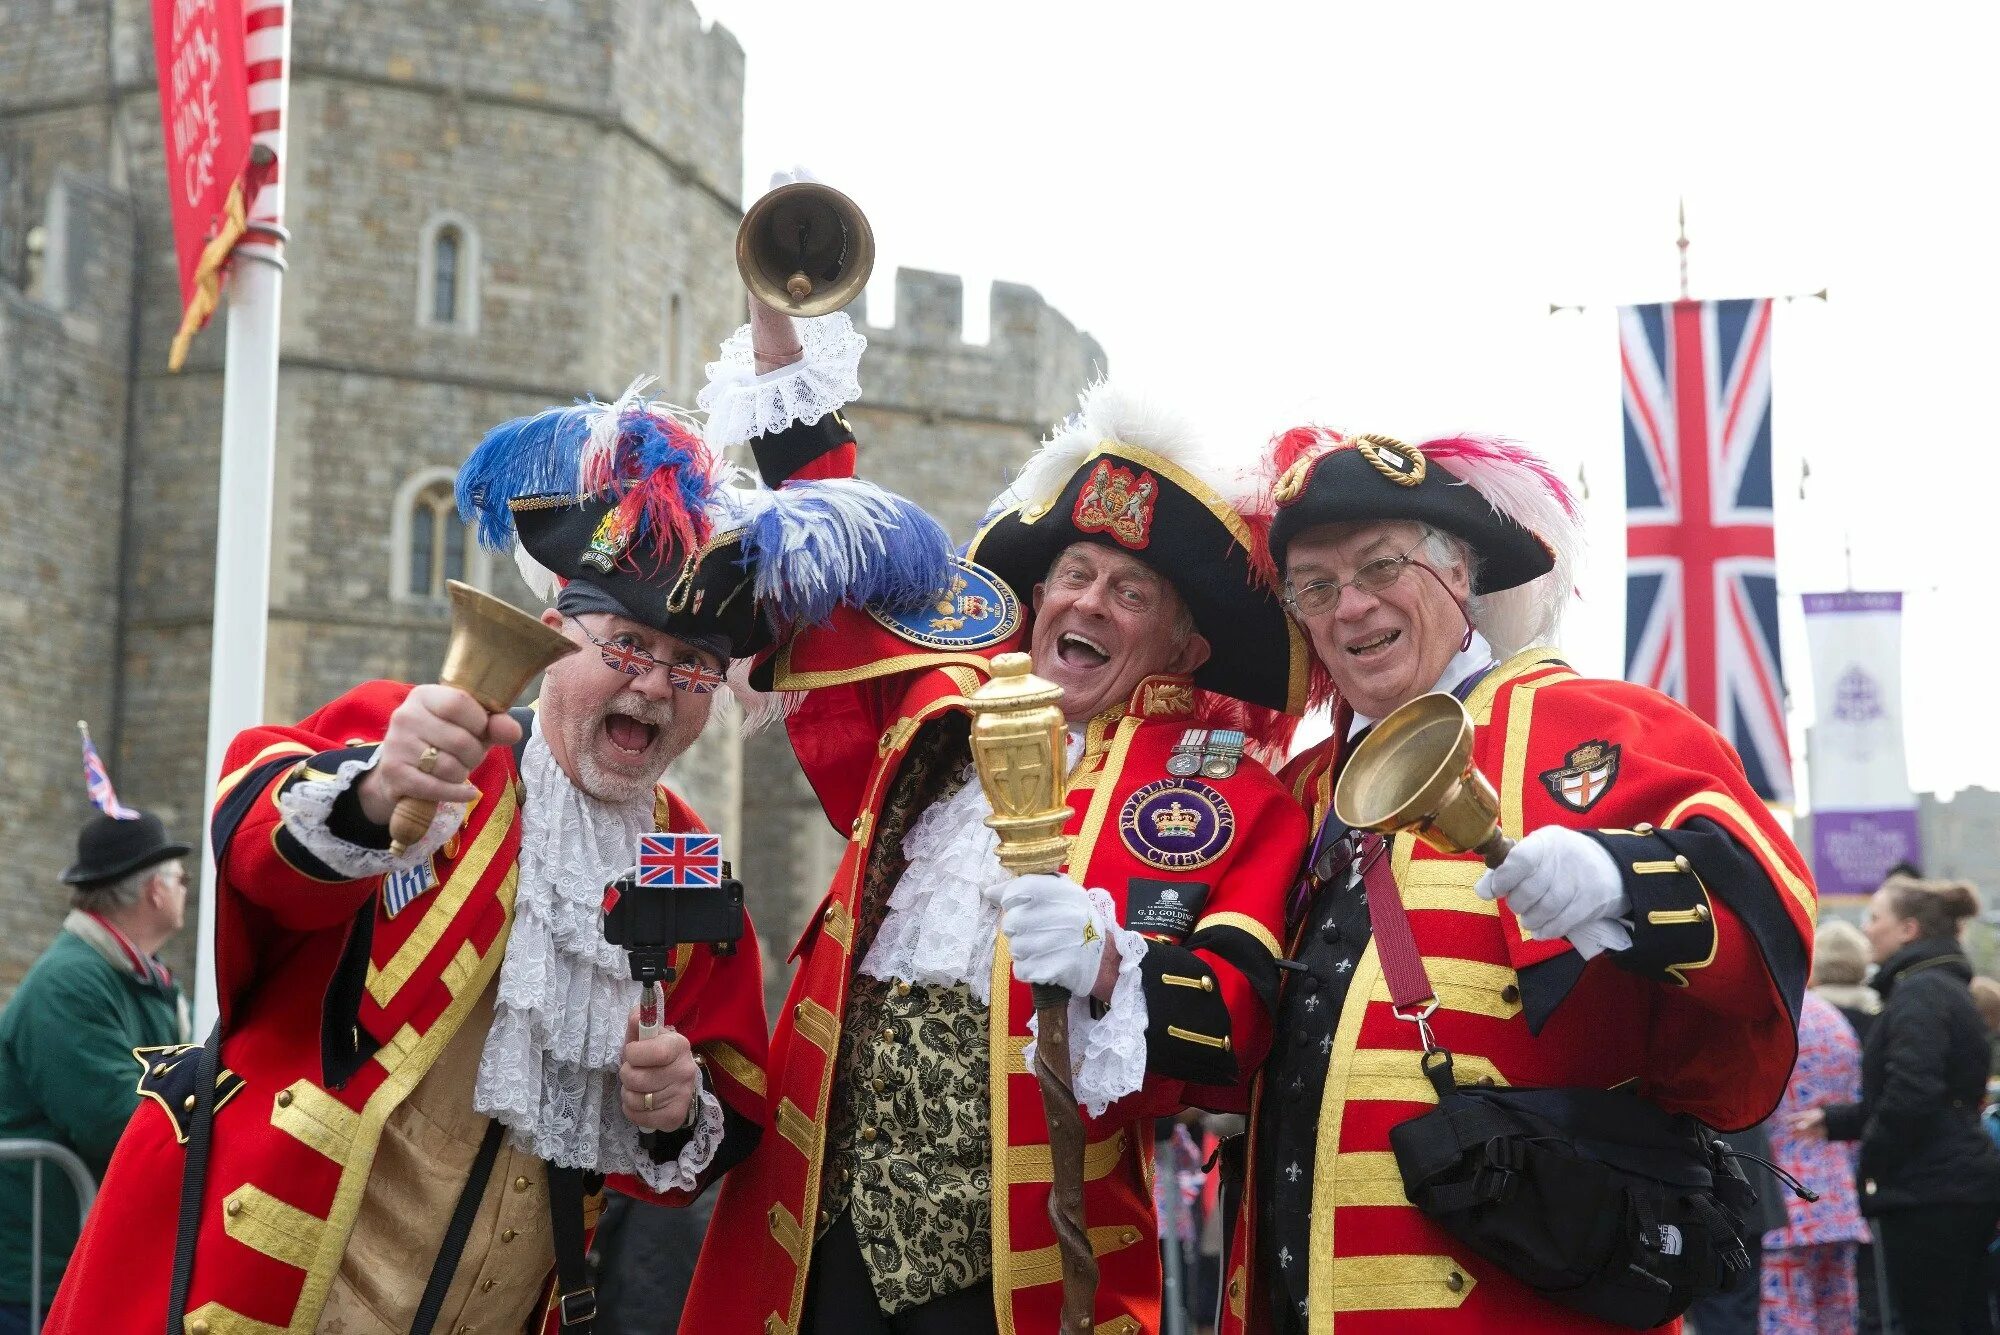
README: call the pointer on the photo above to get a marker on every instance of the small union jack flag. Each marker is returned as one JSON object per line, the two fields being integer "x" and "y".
{"x": 97, "y": 781}
{"x": 1701, "y": 603}
{"x": 696, "y": 677}
{"x": 680, "y": 861}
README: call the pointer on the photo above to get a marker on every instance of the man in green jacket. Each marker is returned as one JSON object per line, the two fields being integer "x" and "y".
{"x": 67, "y": 1039}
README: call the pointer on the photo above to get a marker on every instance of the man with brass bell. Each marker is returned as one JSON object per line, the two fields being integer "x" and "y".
{"x": 908, "y": 1187}
{"x": 428, "y": 1058}
{"x": 1649, "y": 930}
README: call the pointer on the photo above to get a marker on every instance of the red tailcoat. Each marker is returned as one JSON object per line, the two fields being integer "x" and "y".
{"x": 870, "y": 693}
{"x": 1713, "y": 1033}
{"x": 290, "y": 1157}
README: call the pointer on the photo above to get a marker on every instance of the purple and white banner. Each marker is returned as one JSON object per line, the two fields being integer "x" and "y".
{"x": 1864, "y": 818}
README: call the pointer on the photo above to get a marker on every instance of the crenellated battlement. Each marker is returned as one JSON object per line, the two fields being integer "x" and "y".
{"x": 1027, "y": 373}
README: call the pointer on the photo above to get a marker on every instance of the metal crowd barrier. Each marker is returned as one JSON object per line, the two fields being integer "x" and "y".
{"x": 39, "y": 1153}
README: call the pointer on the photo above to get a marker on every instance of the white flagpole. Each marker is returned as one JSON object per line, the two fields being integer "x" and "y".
{"x": 249, "y": 453}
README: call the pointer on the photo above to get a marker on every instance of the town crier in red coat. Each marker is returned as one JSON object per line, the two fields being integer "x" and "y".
{"x": 905, "y": 1185}
{"x": 428, "y": 1062}
{"x": 1649, "y": 930}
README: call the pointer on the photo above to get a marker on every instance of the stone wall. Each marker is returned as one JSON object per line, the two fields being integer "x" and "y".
{"x": 64, "y": 346}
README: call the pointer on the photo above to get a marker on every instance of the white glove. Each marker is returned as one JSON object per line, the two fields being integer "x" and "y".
{"x": 1560, "y": 883}
{"x": 1056, "y": 934}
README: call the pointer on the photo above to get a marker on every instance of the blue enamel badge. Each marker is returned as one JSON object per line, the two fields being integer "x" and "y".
{"x": 1177, "y": 824}
{"x": 977, "y": 610}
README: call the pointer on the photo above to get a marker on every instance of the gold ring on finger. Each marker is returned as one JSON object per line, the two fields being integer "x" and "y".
{"x": 427, "y": 762}
{"x": 648, "y": 1101}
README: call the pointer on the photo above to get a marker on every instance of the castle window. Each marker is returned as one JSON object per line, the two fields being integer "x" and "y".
{"x": 444, "y": 276}
{"x": 448, "y": 274}
{"x": 430, "y": 544}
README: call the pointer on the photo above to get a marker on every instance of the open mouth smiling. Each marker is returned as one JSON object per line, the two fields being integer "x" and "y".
{"x": 629, "y": 735}
{"x": 1080, "y": 651}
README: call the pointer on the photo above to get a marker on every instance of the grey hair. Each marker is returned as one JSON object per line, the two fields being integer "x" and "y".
{"x": 122, "y": 893}
{"x": 1448, "y": 549}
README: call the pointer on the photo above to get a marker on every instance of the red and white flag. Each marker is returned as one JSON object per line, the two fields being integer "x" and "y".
{"x": 221, "y": 66}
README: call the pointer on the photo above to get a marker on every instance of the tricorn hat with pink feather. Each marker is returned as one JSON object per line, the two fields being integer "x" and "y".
{"x": 1495, "y": 495}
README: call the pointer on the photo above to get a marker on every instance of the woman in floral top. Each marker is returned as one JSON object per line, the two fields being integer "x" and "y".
{"x": 1809, "y": 1286}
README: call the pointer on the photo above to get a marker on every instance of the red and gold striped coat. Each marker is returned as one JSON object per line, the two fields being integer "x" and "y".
{"x": 292, "y": 1149}
{"x": 1712, "y": 1032}
{"x": 870, "y": 694}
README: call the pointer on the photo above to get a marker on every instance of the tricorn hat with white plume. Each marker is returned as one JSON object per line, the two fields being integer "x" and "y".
{"x": 1124, "y": 472}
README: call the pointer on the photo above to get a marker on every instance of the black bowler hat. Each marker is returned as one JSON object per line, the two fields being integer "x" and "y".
{"x": 107, "y": 848}
{"x": 1123, "y": 474}
{"x": 1500, "y": 499}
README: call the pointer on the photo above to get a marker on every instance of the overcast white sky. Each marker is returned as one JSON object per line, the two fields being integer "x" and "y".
{"x": 1360, "y": 213}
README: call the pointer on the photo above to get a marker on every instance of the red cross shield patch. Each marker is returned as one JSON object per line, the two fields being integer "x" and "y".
{"x": 1585, "y": 775}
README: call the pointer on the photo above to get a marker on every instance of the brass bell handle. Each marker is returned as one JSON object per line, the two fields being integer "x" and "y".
{"x": 409, "y": 822}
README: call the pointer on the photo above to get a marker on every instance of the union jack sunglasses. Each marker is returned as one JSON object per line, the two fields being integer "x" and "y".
{"x": 689, "y": 674}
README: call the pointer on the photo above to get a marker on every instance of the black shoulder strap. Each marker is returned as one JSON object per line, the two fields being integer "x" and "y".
{"x": 194, "y": 1176}
{"x": 576, "y": 1300}
{"x": 456, "y": 1232}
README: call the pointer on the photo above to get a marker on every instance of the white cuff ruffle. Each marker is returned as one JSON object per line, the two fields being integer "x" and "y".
{"x": 308, "y": 804}
{"x": 1108, "y": 1052}
{"x": 741, "y": 404}
{"x": 684, "y": 1172}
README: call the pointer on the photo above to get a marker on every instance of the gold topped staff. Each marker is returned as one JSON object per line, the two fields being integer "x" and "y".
{"x": 1414, "y": 773}
{"x": 496, "y": 650}
{"x": 1017, "y": 746}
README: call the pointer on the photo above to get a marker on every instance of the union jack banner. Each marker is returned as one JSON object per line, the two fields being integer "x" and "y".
{"x": 1701, "y": 589}
{"x": 97, "y": 781}
{"x": 680, "y": 861}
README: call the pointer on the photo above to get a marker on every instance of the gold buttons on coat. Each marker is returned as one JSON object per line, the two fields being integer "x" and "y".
{"x": 233, "y": 1208}
{"x": 878, "y": 1084}
{"x": 197, "y": 1327}
{"x": 520, "y": 1184}
{"x": 869, "y": 1133}
{"x": 1129, "y": 1236}
{"x": 1455, "y": 1281}
{"x": 508, "y": 1235}
{"x": 284, "y": 1098}
{"x": 188, "y": 1103}
{"x": 486, "y": 1286}
{"x": 159, "y": 1068}
{"x": 1510, "y": 994}
{"x": 1681, "y": 862}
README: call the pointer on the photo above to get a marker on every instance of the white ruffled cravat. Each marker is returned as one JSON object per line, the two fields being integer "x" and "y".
{"x": 549, "y": 1070}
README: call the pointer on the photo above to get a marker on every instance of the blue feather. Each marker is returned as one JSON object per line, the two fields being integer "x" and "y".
{"x": 819, "y": 545}
{"x": 535, "y": 455}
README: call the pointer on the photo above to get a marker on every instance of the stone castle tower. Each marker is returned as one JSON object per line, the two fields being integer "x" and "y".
{"x": 495, "y": 206}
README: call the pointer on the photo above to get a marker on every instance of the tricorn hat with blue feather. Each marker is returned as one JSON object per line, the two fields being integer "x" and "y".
{"x": 623, "y": 507}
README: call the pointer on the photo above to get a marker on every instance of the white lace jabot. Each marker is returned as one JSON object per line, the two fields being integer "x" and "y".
{"x": 549, "y": 1069}
{"x": 941, "y": 927}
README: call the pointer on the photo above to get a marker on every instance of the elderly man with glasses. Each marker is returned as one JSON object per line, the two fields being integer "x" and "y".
{"x": 429, "y": 1059}
{"x": 1650, "y": 929}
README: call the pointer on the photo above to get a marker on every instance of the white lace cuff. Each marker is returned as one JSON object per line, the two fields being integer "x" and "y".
{"x": 1108, "y": 1052}
{"x": 683, "y": 1173}
{"x": 741, "y": 404}
{"x": 308, "y": 804}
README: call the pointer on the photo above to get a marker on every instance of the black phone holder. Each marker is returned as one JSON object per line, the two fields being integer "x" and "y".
{"x": 651, "y": 922}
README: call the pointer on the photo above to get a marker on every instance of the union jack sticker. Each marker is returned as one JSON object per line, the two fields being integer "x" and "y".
{"x": 1585, "y": 775}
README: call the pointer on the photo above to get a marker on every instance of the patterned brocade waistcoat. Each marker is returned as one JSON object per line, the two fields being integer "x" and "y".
{"x": 909, "y": 1145}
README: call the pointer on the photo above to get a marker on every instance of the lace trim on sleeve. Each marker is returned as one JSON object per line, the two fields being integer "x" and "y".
{"x": 741, "y": 404}
{"x": 1108, "y": 1052}
{"x": 308, "y": 804}
{"x": 684, "y": 1172}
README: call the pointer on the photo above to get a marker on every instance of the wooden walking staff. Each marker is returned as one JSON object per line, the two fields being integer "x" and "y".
{"x": 1017, "y": 745}
{"x": 496, "y": 650}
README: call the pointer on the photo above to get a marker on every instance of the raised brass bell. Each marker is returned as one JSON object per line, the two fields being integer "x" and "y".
{"x": 1414, "y": 773}
{"x": 496, "y": 649}
{"x": 805, "y": 249}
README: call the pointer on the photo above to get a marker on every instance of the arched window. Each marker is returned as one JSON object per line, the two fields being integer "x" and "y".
{"x": 444, "y": 276}
{"x": 448, "y": 274}
{"x": 430, "y": 543}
